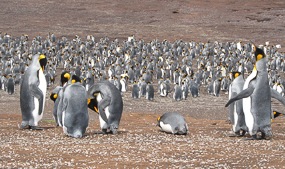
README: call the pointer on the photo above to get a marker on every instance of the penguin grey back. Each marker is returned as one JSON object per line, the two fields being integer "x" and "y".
{"x": 75, "y": 116}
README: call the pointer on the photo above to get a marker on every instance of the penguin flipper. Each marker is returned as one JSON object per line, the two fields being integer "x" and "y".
{"x": 36, "y": 92}
{"x": 243, "y": 94}
{"x": 102, "y": 105}
{"x": 277, "y": 96}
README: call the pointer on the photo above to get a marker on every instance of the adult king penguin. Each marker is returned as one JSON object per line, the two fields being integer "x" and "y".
{"x": 256, "y": 97}
{"x": 33, "y": 92}
{"x": 110, "y": 105}
{"x": 236, "y": 115}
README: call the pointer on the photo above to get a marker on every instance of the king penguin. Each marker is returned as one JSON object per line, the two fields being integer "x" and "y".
{"x": 75, "y": 116}
{"x": 172, "y": 122}
{"x": 236, "y": 115}
{"x": 32, "y": 93}
{"x": 110, "y": 105}
{"x": 256, "y": 97}
{"x": 54, "y": 97}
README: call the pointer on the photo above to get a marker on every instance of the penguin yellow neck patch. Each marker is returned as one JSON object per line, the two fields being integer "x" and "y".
{"x": 158, "y": 118}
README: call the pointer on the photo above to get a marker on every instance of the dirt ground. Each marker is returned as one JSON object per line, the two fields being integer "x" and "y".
{"x": 139, "y": 143}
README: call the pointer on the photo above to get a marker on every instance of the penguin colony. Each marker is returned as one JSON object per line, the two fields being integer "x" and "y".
{"x": 147, "y": 69}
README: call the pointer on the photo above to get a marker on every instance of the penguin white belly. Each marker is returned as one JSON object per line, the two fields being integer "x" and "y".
{"x": 249, "y": 120}
{"x": 63, "y": 126}
{"x": 166, "y": 127}
{"x": 43, "y": 87}
{"x": 235, "y": 117}
{"x": 103, "y": 124}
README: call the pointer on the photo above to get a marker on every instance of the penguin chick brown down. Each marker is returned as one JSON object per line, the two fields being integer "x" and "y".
{"x": 32, "y": 93}
{"x": 110, "y": 105}
{"x": 173, "y": 122}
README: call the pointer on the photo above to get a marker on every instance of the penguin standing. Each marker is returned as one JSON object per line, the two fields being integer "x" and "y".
{"x": 135, "y": 90}
{"x": 236, "y": 115}
{"x": 55, "y": 98}
{"x": 172, "y": 122}
{"x": 217, "y": 87}
{"x": 149, "y": 91}
{"x": 177, "y": 95}
{"x": 75, "y": 116}
{"x": 32, "y": 93}
{"x": 110, "y": 105}
{"x": 256, "y": 97}
{"x": 185, "y": 90}
{"x": 10, "y": 85}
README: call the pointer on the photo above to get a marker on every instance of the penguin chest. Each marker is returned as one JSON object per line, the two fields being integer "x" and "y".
{"x": 103, "y": 124}
{"x": 166, "y": 127}
{"x": 43, "y": 87}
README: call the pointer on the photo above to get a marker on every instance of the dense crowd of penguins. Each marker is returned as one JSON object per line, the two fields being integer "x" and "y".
{"x": 177, "y": 67}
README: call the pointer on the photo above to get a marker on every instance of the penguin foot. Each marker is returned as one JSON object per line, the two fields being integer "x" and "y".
{"x": 104, "y": 131}
{"x": 23, "y": 126}
{"x": 253, "y": 137}
{"x": 35, "y": 128}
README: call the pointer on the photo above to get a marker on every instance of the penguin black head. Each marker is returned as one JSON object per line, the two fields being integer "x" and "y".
{"x": 158, "y": 120}
{"x": 65, "y": 76}
{"x": 259, "y": 53}
{"x": 75, "y": 79}
{"x": 276, "y": 114}
{"x": 93, "y": 104}
{"x": 43, "y": 61}
{"x": 53, "y": 96}
{"x": 236, "y": 74}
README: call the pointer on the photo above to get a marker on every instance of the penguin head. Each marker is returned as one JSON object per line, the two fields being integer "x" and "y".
{"x": 93, "y": 104}
{"x": 43, "y": 61}
{"x": 276, "y": 114}
{"x": 235, "y": 74}
{"x": 53, "y": 96}
{"x": 158, "y": 121}
{"x": 75, "y": 79}
{"x": 64, "y": 78}
{"x": 259, "y": 53}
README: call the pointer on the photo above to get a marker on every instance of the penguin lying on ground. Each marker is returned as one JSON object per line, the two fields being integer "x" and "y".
{"x": 32, "y": 93}
{"x": 173, "y": 122}
{"x": 110, "y": 105}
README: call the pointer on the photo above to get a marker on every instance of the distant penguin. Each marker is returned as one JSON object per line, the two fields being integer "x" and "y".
{"x": 75, "y": 116}
{"x": 256, "y": 97}
{"x": 149, "y": 91}
{"x": 217, "y": 87}
{"x": 177, "y": 95}
{"x": 185, "y": 90}
{"x": 110, "y": 105}
{"x": 236, "y": 115}
{"x": 135, "y": 90}
{"x": 142, "y": 86}
{"x": 164, "y": 89}
{"x": 194, "y": 89}
{"x": 173, "y": 123}
{"x": 10, "y": 85}
{"x": 32, "y": 93}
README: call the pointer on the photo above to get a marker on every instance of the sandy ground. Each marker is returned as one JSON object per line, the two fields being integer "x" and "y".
{"x": 139, "y": 143}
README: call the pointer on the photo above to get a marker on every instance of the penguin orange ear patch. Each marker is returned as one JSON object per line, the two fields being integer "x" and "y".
{"x": 55, "y": 96}
{"x": 258, "y": 57}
